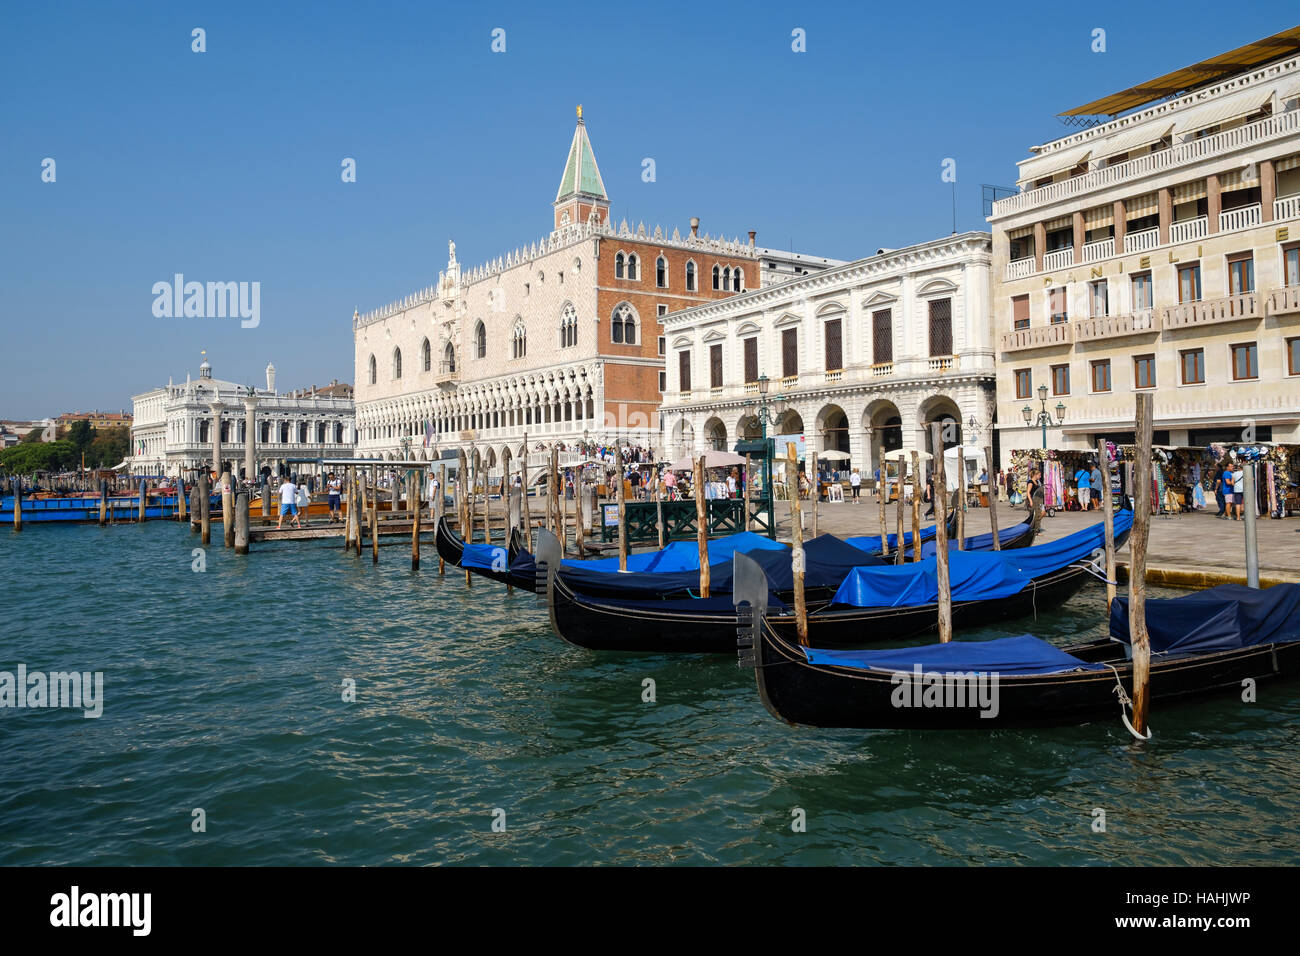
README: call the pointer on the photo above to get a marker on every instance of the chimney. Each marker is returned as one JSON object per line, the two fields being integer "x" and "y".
{"x": 752, "y": 234}
{"x": 695, "y": 227}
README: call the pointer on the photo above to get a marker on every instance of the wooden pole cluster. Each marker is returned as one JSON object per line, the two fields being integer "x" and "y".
{"x": 796, "y": 555}
{"x": 701, "y": 527}
{"x": 1139, "y": 640}
{"x": 941, "y": 536}
{"x": 1103, "y": 465}
{"x": 916, "y": 507}
{"x": 993, "y": 498}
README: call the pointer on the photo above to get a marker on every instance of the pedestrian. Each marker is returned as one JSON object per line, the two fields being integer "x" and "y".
{"x": 877, "y": 481}
{"x": 303, "y": 501}
{"x": 1219, "y": 494}
{"x": 288, "y": 503}
{"x": 1034, "y": 493}
{"x": 1083, "y": 482}
{"x": 335, "y": 486}
{"x": 929, "y": 494}
{"x": 1239, "y": 492}
{"x": 1094, "y": 477}
{"x": 855, "y": 482}
{"x": 731, "y": 483}
{"x": 1229, "y": 496}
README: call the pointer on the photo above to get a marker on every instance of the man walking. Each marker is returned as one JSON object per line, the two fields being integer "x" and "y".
{"x": 1239, "y": 492}
{"x": 1229, "y": 497}
{"x": 334, "y": 485}
{"x": 855, "y": 482}
{"x": 1083, "y": 483}
{"x": 288, "y": 503}
{"x": 1095, "y": 475}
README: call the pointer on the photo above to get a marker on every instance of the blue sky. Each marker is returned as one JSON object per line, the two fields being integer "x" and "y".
{"x": 225, "y": 165}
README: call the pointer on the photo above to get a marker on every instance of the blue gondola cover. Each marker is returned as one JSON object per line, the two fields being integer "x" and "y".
{"x": 1223, "y": 618}
{"x": 1005, "y": 655}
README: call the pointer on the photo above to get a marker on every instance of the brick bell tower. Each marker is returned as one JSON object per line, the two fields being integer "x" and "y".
{"x": 582, "y": 191}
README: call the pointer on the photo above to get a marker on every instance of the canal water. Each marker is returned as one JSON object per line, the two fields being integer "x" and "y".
{"x": 223, "y": 692}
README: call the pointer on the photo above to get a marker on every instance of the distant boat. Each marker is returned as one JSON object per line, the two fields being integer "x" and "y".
{"x": 42, "y": 507}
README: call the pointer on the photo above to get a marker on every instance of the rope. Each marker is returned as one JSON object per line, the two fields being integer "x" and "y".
{"x": 1125, "y": 704}
{"x": 1093, "y": 567}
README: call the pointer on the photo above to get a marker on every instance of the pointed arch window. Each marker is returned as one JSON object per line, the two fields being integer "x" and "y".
{"x": 449, "y": 358}
{"x": 568, "y": 326}
{"x": 690, "y": 276}
{"x": 717, "y": 275}
{"x": 622, "y": 325}
{"x": 726, "y": 279}
{"x": 374, "y": 371}
{"x": 661, "y": 272}
{"x": 520, "y": 340}
{"x": 740, "y": 279}
{"x": 397, "y": 363}
{"x": 480, "y": 340}
{"x": 620, "y": 266}
{"x": 633, "y": 267}
{"x": 426, "y": 356}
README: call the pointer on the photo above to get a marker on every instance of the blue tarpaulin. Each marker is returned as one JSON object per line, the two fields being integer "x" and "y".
{"x": 683, "y": 555}
{"x": 1227, "y": 617}
{"x": 973, "y": 575}
{"x": 1006, "y": 655}
{"x": 490, "y": 557}
{"x": 871, "y": 542}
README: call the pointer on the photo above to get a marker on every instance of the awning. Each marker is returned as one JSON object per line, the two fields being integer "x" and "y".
{"x": 1286, "y": 162}
{"x": 1239, "y": 179}
{"x": 1099, "y": 217}
{"x": 1061, "y": 222}
{"x": 1212, "y": 113}
{"x": 1189, "y": 192}
{"x": 1049, "y": 164}
{"x": 1128, "y": 139}
{"x": 1148, "y": 204}
{"x": 1023, "y": 231}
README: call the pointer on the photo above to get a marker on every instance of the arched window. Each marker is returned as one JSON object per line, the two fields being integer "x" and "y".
{"x": 620, "y": 263}
{"x": 717, "y": 274}
{"x": 480, "y": 339}
{"x": 374, "y": 371}
{"x": 520, "y": 339}
{"x": 633, "y": 265}
{"x": 622, "y": 325}
{"x": 726, "y": 279}
{"x": 661, "y": 272}
{"x": 568, "y": 326}
{"x": 397, "y": 363}
{"x": 426, "y": 356}
{"x": 449, "y": 358}
{"x": 690, "y": 276}
{"x": 740, "y": 280}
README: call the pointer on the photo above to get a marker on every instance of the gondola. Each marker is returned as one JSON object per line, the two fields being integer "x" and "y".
{"x": 707, "y": 625}
{"x": 1202, "y": 644}
{"x": 487, "y": 560}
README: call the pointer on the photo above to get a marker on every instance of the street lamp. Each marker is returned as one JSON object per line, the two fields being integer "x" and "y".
{"x": 766, "y": 412}
{"x": 1044, "y": 417}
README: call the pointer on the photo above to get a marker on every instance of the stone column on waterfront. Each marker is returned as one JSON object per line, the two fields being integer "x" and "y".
{"x": 217, "y": 408}
{"x": 250, "y": 437}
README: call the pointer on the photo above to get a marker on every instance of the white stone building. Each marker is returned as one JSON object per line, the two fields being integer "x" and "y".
{"x": 178, "y": 428}
{"x": 861, "y": 357}
{"x": 1159, "y": 250}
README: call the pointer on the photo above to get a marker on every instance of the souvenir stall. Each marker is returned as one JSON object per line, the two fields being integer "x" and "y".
{"x": 1058, "y": 468}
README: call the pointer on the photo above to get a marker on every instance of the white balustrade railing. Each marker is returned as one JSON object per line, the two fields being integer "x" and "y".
{"x": 1143, "y": 240}
{"x": 1101, "y": 249}
{"x": 1240, "y": 218}
{"x": 1060, "y": 259}
{"x": 1019, "y": 268}
{"x": 1288, "y": 207}
{"x": 1189, "y": 229}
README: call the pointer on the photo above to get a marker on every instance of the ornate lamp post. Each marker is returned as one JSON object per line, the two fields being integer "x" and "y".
{"x": 1044, "y": 417}
{"x": 767, "y": 413}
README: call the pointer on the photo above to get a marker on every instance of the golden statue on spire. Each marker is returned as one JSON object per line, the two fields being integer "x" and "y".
{"x": 579, "y": 112}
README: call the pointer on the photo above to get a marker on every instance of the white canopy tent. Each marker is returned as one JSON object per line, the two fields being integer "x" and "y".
{"x": 974, "y": 464}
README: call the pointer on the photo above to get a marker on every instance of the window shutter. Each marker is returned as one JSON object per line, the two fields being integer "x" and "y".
{"x": 715, "y": 366}
{"x": 1020, "y": 310}
{"x": 789, "y": 352}
{"x": 941, "y": 327}
{"x": 882, "y": 337}
{"x": 684, "y": 370}
{"x": 834, "y": 345}
{"x": 751, "y": 360}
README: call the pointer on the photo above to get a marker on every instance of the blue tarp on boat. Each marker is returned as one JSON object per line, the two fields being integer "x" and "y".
{"x": 1006, "y": 655}
{"x": 973, "y": 575}
{"x": 683, "y": 555}
{"x": 871, "y": 542}
{"x": 489, "y": 557}
{"x": 1227, "y": 617}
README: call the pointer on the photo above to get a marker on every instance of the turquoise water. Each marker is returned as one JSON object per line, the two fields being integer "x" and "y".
{"x": 223, "y": 692}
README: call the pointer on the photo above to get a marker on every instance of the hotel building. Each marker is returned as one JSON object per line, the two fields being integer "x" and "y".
{"x": 860, "y": 358}
{"x": 560, "y": 341}
{"x": 1159, "y": 250}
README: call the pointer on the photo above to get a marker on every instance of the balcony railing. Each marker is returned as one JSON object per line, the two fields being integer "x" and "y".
{"x": 1019, "y": 268}
{"x": 1233, "y": 308}
{"x": 1060, "y": 259}
{"x": 790, "y": 381}
{"x": 1101, "y": 249}
{"x": 1142, "y": 241}
{"x": 1241, "y": 218}
{"x": 1037, "y": 337}
{"x": 751, "y": 388}
{"x": 881, "y": 369}
{"x": 1116, "y": 326}
{"x": 1284, "y": 301}
{"x": 1288, "y": 207}
{"x": 1208, "y": 147}
{"x": 1189, "y": 229}
{"x": 943, "y": 363}
{"x": 447, "y": 372}
{"x": 834, "y": 377}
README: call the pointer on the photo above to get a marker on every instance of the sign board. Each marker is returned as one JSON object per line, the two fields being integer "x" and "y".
{"x": 611, "y": 515}
{"x": 780, "y": 441}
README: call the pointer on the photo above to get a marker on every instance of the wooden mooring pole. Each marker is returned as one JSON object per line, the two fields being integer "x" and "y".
{"x": 1108, "y": 519}
{"x": 796, "y": 552}
{"x": 439, "y": 507}
{"x": 993, "y": 501}
{"x": 17, "y": 484}
{"x": 227, "y": 510}
{"x": 749, "y": 498}
{"x": 415, "y": 480}
{"x": 941, "y": 535}
{"x": 1139, "y": 640}
{"x": 817, "y": 495}
{"x": 523, "y": 484}
{"x": 702, "y": 527}
{"x": 205, "y": 509}
{"x": 916, "y": 506}
{"x": 898, "y": 538}
{"x": 622, "y": 524}
{"x": 103, "y": 502}
{"x": 961, "y": 497}
{"x": 882, "y": 493}
{"x": 241, "y": 522}
{"x": 180, "y": 498}
{"x": 374, "y": 521}
{"x": 142, "y": 492}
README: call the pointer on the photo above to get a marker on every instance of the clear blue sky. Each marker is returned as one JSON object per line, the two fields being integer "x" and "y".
{"x": 225, "y": 165}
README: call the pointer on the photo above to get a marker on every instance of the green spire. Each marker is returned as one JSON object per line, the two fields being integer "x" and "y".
{"x": 581, "y": 175}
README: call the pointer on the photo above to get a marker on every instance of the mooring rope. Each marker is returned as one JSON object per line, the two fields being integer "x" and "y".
{"x": 1125, "y": 704}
